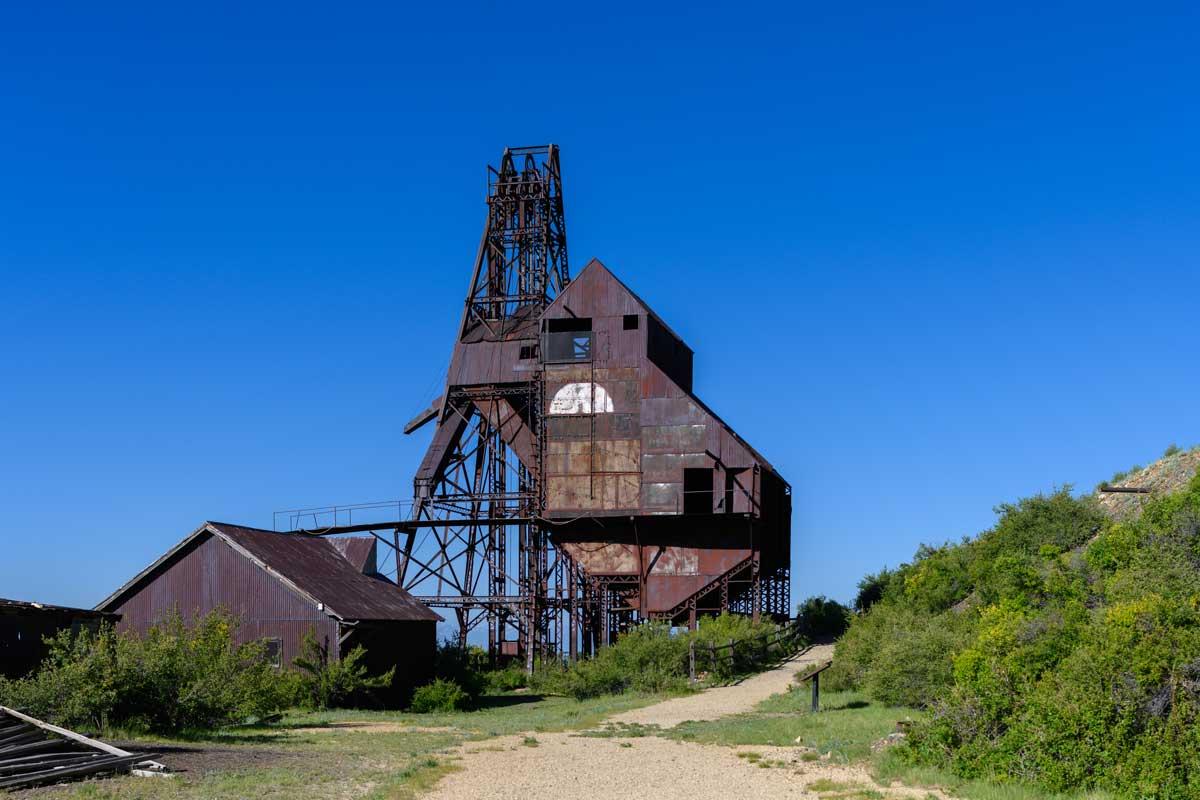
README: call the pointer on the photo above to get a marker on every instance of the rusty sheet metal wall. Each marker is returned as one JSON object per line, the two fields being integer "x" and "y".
{"x": 653, "y": 417}
{"x": 211, "y": 574}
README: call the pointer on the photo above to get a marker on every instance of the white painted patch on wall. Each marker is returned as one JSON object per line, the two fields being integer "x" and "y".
{"x": 577, "y": 398}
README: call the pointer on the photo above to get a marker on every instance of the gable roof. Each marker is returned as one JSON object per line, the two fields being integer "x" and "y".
{"x": 311, "y": 566}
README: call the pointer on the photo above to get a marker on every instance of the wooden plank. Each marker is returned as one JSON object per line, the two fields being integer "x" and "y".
{"x": 815, "y": 672}
{"x": 26, "y": 738}
{"x": 75, "y": 737}
{"x": 40, "y": 763}
{"x": 33, "y": 747}
{"x": 104, "y": 764}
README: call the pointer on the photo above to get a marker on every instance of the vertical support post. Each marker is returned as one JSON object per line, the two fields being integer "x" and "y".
{"x": 572, "y": 613}
{"x": 816, "y": 693}
{"x": 692, "y": 660}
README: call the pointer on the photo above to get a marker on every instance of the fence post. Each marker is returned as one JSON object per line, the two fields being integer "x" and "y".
{"x": 733, "y": 665}
{"x": 692, "y": 660}
{"x": 816, "y": 693}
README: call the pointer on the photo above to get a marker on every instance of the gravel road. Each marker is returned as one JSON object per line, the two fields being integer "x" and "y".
{"x": 567, "y": 766}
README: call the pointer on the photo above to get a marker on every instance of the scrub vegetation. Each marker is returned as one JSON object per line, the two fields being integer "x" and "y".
{"x": 650, "y": 658}
{"x": 1059, "y": 650}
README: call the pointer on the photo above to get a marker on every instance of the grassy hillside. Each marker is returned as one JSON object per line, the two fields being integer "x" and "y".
{"x": 1059, "y": 648}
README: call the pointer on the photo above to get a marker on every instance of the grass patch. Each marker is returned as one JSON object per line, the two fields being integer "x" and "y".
{"x": 622, "y": 730}
{"x": 530, "y": 741}
{"x": 888, "y": 768}
{"x": 846, "y": 727}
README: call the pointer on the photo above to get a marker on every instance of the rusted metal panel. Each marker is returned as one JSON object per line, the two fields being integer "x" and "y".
{"x": 674, "y": 438}
{"x": 662, "y": 497}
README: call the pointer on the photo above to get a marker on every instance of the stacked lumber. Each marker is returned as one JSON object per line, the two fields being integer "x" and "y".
{"x": 33, "y": 753}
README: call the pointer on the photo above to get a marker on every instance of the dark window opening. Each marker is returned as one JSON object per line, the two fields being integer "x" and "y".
{"x": 570, "y": 346}
{"x": 697, "y": 490}
{"x": 274, "y": 651}
{"x": 730, "y": 483}
{"x": 631, "y": 322}
{"x": 568, "y": 325}
{"x": 528, "y": 351}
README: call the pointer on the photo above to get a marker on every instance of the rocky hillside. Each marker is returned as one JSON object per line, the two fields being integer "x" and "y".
{"x": 1169, "y": 474}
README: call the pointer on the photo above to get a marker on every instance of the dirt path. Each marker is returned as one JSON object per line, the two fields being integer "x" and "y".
{"x": 725, "y": 700}
{"x": 568, "y": 766}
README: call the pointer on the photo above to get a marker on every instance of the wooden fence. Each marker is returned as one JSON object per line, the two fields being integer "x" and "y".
{"x": 746, "y": 655}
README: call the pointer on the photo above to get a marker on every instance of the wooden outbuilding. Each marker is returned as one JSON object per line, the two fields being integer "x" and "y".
{"x": 282, "y": 587}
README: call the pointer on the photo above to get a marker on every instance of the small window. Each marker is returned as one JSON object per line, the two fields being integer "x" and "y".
{"x": 274, "y": 651}
{"x": 631, "y": 322}
{"x": 528, "y": 351}
{"x": 568, "y": 340}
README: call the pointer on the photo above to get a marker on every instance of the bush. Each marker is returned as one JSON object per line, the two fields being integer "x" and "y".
{"x": 872, "y": 588}
{"x": 331, "y": 683}
{"x": 466, "y": 667}
{"x": 822, "y": 618}
{"x": 650, "y": 659}
{"x": 178, "y": 677}
{"x": 719, "y": 631}
{"x": 1071, "y": 661}
{"x": 506, "y": 679}
{"x": 441, "y": 695}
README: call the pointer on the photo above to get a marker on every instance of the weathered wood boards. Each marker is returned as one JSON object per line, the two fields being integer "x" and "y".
{"x": 33, "y": 752}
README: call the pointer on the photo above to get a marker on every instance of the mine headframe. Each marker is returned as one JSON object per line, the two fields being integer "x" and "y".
{"x": 476, "y": 545}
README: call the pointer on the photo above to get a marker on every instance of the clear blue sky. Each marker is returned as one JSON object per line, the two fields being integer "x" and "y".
{"x": 930, "y": 259}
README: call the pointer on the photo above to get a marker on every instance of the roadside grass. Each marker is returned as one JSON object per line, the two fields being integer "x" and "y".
{"x": 401, "y": 756}
{"x": 888, "y": 767}
{"x": 845, "y": 728}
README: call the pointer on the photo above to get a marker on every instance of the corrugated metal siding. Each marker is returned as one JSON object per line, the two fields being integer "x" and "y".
{"x": 212, "y": 574}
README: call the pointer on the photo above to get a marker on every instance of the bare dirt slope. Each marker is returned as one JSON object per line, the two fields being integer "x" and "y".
{"x": 568, "y": 766}
{"x": 1168, "y": 474}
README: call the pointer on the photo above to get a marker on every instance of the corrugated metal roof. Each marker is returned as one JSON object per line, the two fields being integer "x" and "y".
{"x": 25, "y": 607}
{"x": 316, "y": 567}
{"x": 309, "y": 565}
{"x": 358, "y": 550}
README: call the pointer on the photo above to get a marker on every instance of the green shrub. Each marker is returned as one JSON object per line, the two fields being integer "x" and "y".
{"x": 650, "y": 659}
{"x": 821, "y": 618}
{"x": 747, "y": 636}
{"x": 1076, "y": 663}
{"x": 506, "y": 679}
{"x": 177, "y": 677}
{"x": 465, "y": 666}
{"x": 332, "y": 683}
{"x": 440, "y": 696}
{"x": 872, "y": 588}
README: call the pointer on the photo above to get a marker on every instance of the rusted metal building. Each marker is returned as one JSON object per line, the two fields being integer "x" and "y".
{"x": 575, "y": 483}
{"x": 282, "y": 587}
{"x": 24, "y": 627}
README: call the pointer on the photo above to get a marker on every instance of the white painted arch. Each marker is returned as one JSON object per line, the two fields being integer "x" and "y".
{"x": 581, "y": 398}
